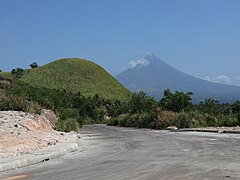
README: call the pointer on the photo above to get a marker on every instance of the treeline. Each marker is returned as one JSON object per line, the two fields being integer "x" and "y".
{"x": 141, "y": 111}
{"x": 174, "y": 109}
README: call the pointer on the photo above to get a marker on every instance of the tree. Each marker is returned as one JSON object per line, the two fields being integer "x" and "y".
{"x": 34, "y": 65}
{"x": 0, "y": 70}
{"x": 236, "y": 107}
{"x": 177, "y": 101}
{"x": 140, "y": 103}
{"x": 210, "y": 106}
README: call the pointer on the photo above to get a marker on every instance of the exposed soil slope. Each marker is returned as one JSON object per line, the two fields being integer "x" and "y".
{"x": 22, "y": 133}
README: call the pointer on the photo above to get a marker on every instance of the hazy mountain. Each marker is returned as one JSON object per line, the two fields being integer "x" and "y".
{"x": 153, "y": 76}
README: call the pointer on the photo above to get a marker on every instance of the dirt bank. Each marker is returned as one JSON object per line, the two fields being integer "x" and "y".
{"x": 22, "y": 133}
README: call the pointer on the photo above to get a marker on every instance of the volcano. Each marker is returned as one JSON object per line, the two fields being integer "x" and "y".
{"x": 154, "y": 76}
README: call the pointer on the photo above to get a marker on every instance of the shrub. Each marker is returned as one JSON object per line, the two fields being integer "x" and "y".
{"x": 15, "y": 103}
{"x": 68, "y": 125}
{"x": 34, "y": 65}
{"x": 211, "y": 120}
{"x": 197, "y": 119}
{"x": 122, "y": 119}
{"x": 73, "y": 114}
{"x": 144, "y": 120}
{"x": 229, "y": 120}
{"x": 113, "y": 122}
{"x": 17, "y": 73}
{"x": 238, "y": 119}
{"x": 182, "y": 120}
{"x": 163, "y": 119}
{"x": 133, "y": 121}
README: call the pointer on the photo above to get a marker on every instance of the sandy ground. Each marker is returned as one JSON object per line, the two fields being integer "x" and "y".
{"x": 22, "y": 133}
{"x": 115, "y": 153}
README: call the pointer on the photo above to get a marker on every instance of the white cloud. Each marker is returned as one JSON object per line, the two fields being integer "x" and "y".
{"x": 223, "y": 79}
{"x": 143, "y": 62}
{"x": 207, "y": 78}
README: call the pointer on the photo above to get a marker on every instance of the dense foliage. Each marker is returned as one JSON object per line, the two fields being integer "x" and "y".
{"x": 69, "y": 106}
{"x": 174, "y": 109}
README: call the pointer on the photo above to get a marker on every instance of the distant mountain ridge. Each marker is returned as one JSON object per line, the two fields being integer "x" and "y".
{"x": 156, "y": 76}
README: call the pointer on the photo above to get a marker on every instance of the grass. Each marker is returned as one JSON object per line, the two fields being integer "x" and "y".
{"x": 75, "y": 74}
{"x": 6, "y": 74}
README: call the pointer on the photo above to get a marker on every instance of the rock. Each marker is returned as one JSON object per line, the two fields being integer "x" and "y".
{"x": 50, "y": 116}
{"x": 172, "y": 128}
{"x": 17, "y": 126}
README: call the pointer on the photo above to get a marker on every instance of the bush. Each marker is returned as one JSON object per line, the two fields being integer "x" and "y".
{"x": 229, "y": 120}
{"x": 68, "y": 125}
{"x": 113, "y": 122}
{"x": 211, "y": 120}
{"x": 34, "y": 65}
{"x": 133, "y": 121}
{"x": 122, "y": 119}
{"x": 72, "y": 113}
{"x": 163, "y": 119}
{"x": 197, "y": 119}
{"x": 238, "y": 119}
{"x": 17, "y": 73}
{"x": 182, "y": 120}
{"x": 144, "y": 120}
{"x": 15, "y": 103}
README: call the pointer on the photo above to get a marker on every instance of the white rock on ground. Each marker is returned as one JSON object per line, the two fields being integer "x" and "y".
{"x": 22, "y": 133}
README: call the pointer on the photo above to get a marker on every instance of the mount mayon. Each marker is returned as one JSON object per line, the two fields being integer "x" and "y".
{"x": 154, "y": 76}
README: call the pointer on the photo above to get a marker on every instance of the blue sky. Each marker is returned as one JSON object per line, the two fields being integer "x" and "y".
{"x": 199, "y": 37}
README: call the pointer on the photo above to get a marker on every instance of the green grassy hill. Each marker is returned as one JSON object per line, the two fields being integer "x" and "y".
{"x": 75, "y": 74}
{"x": 6, "y": 74}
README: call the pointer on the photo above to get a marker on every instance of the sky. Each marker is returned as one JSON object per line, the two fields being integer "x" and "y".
{"x": 198, "y": 37}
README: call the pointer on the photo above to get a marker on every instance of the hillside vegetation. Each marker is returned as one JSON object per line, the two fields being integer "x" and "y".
{"x": 6, "y": 74}
{"x": 76, "y": 75}
{"x": 174, "y": 109}
{"x": 81, "y": 92}
{"x": 77, "y": 90}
